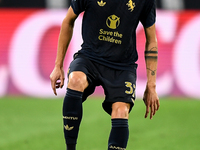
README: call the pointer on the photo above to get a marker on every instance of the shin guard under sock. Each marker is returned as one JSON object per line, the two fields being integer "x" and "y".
{"x": 119, "y": 134}
{"x": 72, "y": 115}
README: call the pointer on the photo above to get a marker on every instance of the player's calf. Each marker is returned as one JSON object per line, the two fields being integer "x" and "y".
{"x": 72, "y": 115}
{"x": 119, "y": 134}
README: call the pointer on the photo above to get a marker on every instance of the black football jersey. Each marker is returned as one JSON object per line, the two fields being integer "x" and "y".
{"x": 109, "y": 29}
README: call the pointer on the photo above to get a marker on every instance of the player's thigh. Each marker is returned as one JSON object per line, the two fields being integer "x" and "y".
{"x": 120, "y": 88}
{"x": 81, "y": 75}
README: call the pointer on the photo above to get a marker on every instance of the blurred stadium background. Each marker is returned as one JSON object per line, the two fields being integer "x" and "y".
{"x": 30, "y": 115}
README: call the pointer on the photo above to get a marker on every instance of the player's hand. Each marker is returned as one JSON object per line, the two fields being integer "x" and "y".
{"x": 151, "y": 101}
{"x": 57, "y": 77}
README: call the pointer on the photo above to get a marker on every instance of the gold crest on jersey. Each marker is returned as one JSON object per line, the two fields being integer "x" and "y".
{"x": 131, "y": 5}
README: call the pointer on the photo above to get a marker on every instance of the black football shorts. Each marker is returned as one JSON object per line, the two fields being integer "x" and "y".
{"x": 118, "y": 85}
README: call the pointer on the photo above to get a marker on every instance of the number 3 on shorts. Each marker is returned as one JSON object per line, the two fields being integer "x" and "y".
{"x": 131, "y": 88}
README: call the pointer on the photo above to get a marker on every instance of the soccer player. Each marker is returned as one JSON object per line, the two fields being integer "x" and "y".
{"x": 108, "y": 58}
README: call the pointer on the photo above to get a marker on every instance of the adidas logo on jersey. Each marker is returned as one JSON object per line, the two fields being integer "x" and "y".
{"x": 101, "y": 3}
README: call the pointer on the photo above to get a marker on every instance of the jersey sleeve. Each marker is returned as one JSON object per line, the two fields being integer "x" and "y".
{"x": 78, "y": 6}
{"x": 148, "y": 15}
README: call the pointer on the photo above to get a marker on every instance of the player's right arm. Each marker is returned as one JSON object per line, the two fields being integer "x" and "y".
{"x": 57, "y": 75}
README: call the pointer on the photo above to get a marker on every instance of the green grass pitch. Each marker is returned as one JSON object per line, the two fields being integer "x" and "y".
{"x": 36, "y": 124}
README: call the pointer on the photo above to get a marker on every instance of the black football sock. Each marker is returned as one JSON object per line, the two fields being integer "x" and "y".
{"x": 71, "y": 146}
{"x": 119, "y": 134}
{"x": 72, "y": 115}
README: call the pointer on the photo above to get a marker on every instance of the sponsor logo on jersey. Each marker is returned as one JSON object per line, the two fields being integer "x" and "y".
{"x": 101, "y": 3}
{"x": 68, "y": 128}
{"x": 110, "y": 36}
{"x": 131, "y": 5}
{"x": 113, "y": 21}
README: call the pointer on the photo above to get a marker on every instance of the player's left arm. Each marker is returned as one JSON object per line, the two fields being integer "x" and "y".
{"x": 150, "y": 97}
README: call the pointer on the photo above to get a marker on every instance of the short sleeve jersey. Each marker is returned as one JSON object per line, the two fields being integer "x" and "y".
{"x": 109, "y": 29}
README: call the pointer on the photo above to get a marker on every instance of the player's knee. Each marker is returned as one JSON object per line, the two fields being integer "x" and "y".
{"x": 120, "y": 110}
{"x": 77, "y": 81}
